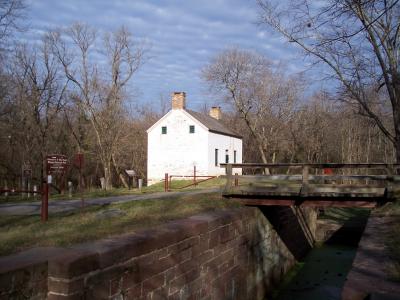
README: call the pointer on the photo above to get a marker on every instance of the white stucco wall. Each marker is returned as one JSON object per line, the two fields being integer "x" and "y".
{"x": 177, "y": 151}
{"x": 223, "y": 143}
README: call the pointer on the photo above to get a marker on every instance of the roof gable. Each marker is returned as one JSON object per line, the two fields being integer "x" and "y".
{"x": 213, "y": 125}
{"x": 159, "y": 121}
{"x": 207, "y": 122}
{"x": 184, "y": 112}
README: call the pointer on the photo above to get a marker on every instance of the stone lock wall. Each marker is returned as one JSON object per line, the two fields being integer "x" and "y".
{"x": 233, "y": 254}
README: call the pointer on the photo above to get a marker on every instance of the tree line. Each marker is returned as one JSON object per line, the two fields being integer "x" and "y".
{"x": 68, "y": 94}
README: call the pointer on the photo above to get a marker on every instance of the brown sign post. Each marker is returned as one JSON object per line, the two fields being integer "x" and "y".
{"x": 78, "y": 162}
{"x": 55, "y": 164}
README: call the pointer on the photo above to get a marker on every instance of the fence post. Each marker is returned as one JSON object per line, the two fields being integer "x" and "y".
{"x": 194, "y": 175}
{"x": 236, "y": 179}
{"x": 45, "y": 201}
{"x": 6, "y": 188}
{"x": 166, "y": 177}
{"x": 69, "y": 189}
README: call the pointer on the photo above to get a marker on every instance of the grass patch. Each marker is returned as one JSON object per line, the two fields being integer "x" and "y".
{"x": 98, "y": 193}
{"x": 22, "y": 232}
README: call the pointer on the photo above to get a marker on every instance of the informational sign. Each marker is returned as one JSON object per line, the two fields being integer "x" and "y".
{"x": 130, "y": 173}
{"x": 56, "y": 163}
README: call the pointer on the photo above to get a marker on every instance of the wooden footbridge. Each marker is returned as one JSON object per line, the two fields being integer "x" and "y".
{"x": 318, "y": 185}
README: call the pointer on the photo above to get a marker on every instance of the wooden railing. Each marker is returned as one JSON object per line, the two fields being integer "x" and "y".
{"x": 389, "y": 176}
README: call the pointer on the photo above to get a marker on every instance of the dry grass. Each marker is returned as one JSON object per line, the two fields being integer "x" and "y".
{"x": 21, "y": 232}
{"x": 97, "y": 193}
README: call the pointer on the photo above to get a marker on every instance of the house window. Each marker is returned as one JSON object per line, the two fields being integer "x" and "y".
{"x": 164, "y": 130}
{"x": 191, "y": 129}
{"x": 216, "y": 157}
{"x": 234, "y": 156}
{"x": 226, "y": 156}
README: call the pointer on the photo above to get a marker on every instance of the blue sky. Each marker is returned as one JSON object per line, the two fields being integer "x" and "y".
{"x": 184, "y": 36}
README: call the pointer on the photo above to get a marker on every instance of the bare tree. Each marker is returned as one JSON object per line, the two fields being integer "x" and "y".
{"x": 10, "y": 13}
{"x": 38, "y": 97}
{"x": 264, "y": 97}
{"x": 100, "y": 88}
{"x": 358, "y": 41}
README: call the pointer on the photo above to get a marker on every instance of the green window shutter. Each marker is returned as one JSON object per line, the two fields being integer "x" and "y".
{"x": 164, "y": 130}
{"x": 191, "y": 129}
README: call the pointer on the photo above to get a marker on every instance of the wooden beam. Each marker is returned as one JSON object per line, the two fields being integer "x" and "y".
{"x": 315, "y": 166}
{"x": 306, "y": 203}
{"x": 357, "y": 203}
{"x": 306, "y": 191}
{"x": 265, "y": 202}
{"x": 298, "y": 177}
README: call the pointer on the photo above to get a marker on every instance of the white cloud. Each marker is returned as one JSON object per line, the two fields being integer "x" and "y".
{"x": 184, "y": 35}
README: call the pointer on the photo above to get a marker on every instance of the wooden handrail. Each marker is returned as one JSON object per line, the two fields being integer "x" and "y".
{"x": 318, "y": 177}
{"x": 313, "y": 165}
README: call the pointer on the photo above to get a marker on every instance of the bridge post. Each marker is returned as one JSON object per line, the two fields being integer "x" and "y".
{"x": 390, "y": 169}
{"x": 228, "y": 172}
{"x": 305, "y": 182}
{"x": 391, "y": 182}
{"x": 305, "y": 178}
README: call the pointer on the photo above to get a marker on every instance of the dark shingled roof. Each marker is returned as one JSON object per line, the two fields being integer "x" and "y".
{"x": 212, "y": 124}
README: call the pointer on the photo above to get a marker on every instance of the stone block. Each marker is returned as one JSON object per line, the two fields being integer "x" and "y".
{"x": 179, "y": 282}
{"x": 65, "y": 286}
{"x": 182, "y": 256}
{"x": 170, "y": 274}
{"x": 186, "y": 267}
{"x": 73, "y": 263}
{"x": 183, "y": 245}
{"x": 205, "y": 257}
{"x": 160, "y": 294}
{"x": 226, "y": 233}
{"x": 133, "y": 292}
{"x": 202, "y": 246}
{"x": 51, "y": 296}
{"x": 110, "y": 251}
{"x": 186, "y": 228}
{"x": 153, "y": 283}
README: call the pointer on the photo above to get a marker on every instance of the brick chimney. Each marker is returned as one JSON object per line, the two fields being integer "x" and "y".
{"x": 215, "y": 112}
{"x": 178, "y": 100}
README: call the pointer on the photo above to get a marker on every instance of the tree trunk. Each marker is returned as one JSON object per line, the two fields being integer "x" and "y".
{"x": 396, "y": 119}
{"x": 107, "y": 175}
{"x": 121, "y": 176}
{"x": 264, "y": 158}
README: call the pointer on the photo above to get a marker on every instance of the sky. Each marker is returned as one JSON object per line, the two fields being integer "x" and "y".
{"x": 183, "y": 37}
